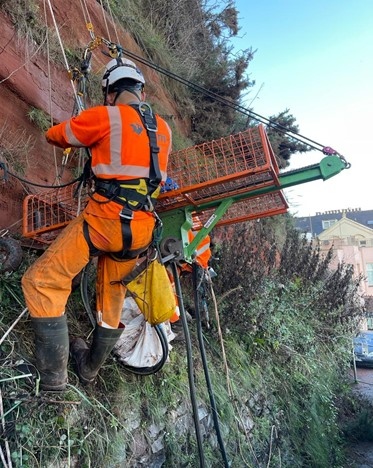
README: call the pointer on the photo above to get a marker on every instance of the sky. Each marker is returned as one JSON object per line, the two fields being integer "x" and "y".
{"x": 315, "y": 58}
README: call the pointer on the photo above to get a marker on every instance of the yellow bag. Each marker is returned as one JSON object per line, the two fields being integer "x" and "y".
{"x": 153, "y": 293}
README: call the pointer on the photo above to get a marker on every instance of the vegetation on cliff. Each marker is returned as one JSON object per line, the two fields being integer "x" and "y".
{"x": 287, "y": 323}
{"x": 285, "y": 318}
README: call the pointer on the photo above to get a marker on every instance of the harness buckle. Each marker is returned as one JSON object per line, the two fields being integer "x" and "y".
{"x": 126, "y": 215}
{"x": 149, "y": 121}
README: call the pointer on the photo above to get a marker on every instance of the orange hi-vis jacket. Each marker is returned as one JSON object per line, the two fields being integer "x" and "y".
{"x": 120, "y": 150}
{"x": 203, "y": 253}
{"x": 119, "y": 146}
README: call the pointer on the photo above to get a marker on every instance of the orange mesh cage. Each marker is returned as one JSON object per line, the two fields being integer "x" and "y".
{"x": 208, "y": 172}
{"x": 269, "y": 204}
{"x": 45, "y": 214}
{"x": 214, "y": 170}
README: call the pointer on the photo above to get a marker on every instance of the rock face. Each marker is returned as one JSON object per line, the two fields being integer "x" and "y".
{"x": 31, "y": 80}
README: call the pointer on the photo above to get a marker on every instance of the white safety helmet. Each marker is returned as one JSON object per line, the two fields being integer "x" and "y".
{"x": 118, "y": 69}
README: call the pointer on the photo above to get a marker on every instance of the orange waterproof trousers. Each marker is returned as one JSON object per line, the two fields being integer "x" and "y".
{"x": 47, "y": 283}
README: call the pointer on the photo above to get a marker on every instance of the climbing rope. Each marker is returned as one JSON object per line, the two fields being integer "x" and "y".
{"x": 220, "y": 334}
{"x": 62, "y": 48}
{"x": 112, "y": 19}
{"x": 85, "y": 12}
{"x": 104, "y": 18}
{"x": 50, "y": 88}
{"x": 327, "y": 150}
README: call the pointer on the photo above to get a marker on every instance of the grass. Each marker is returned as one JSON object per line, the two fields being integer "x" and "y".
{"x": 39, "y": 118}
{"x": 84, "y": 426}
{"x": 277, "y": 405}
{"x": 94, "y": 426}
{"x": 357, "y": 419}
{"x": 286, "y": 366}
{"x": 28, "y": 20}
{"x": 16, "y": 146}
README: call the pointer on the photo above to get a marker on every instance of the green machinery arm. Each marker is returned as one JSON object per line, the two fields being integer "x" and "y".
{"x": 177, "y": 223}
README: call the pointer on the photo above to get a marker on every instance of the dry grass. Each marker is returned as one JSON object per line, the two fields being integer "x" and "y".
{"x": 15, "y": 148}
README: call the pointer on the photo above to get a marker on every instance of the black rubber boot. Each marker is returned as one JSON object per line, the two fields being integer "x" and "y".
{"x": 51, "y": 351}
{"x": 89, "y": 360}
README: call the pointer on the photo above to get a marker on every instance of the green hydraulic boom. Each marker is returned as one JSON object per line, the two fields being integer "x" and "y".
{"x": 256, "y": 183}
{"x": 220, "y": 182}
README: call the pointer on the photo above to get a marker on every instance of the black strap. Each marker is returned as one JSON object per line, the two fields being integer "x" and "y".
{"x": 125, "y": 254}
{"x": 130, "y": 255}
{"x": 112, "y": 190}
{"x": 125, "y": 196}
{"x": 126, "y": 216}
{"x": 93, "y": 251}
{"x": 150, "y": 123}
{"x": 141, "y": 266}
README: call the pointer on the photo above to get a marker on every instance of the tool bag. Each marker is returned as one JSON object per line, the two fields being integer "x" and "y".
{"x": 149, "y": 285}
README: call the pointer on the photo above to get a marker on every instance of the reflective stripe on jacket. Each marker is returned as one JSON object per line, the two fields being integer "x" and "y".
{"x": 118, "y": 141}
{"x": 203, "y": 252}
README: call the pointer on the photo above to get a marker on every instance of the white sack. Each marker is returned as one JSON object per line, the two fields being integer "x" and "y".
{"x": 139, "y": 344}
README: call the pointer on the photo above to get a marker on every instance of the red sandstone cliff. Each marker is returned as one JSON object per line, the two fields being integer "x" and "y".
{"x": 29, "y": 80}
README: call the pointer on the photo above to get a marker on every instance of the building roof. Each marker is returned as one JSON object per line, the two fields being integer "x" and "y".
{"x": 319, "y": 222}
{"x": 346, "y": 228}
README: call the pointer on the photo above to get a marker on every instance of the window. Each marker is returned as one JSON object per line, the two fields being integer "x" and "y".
{"x": 370, "y": 273}
{"x": 326, "y": 223}
{"x": 363, "y": 243}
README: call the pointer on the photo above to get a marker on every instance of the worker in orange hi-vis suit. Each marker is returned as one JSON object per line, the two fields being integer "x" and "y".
{"x": 202, "y": 257}
{"x": 203, "y": 251}
{"x": 129, "y": 146}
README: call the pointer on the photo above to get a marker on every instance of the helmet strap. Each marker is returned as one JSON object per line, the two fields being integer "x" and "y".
{"x": 106, "y": 91}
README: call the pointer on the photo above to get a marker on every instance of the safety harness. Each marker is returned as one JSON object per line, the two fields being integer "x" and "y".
{"x": 134, "y": 194}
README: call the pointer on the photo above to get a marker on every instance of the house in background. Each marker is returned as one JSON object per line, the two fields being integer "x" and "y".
{"x": 312, "y": 226}
{"x": 352, "y": 243}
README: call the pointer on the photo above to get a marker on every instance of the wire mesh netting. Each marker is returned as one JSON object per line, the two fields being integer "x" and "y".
{"x": 214, "y": 170}
{"x": 45, "y": 214}
{"x": 269, "y": 204}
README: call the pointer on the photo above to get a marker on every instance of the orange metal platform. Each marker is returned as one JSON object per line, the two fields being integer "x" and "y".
{"x": 206, "y": 173}
{"x": 45, "y": 214}
{"x": 215, "y": 170}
